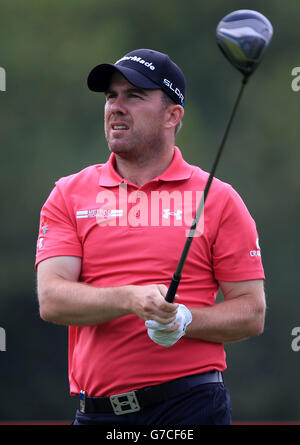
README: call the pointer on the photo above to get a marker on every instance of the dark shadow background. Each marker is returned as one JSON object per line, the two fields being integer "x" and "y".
{"x": 52, "y": 126}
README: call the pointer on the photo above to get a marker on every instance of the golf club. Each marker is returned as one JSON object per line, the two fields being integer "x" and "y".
{"x": 243, "y": 37}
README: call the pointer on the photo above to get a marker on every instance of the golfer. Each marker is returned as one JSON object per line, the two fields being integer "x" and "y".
{"x": 109, "y": 241}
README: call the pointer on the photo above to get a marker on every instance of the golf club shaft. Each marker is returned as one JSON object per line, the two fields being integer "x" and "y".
{"x": 177, "y": 275}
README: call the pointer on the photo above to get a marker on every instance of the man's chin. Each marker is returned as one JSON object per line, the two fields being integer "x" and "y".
{"x": 119, "y": 148}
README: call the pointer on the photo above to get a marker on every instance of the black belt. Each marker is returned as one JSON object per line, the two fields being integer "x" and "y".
{"x": 136, "y": 400}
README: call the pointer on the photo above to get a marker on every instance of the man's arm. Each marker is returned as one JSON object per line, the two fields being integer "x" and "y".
{"x": 64, "y": 300}
{"x": 241, "y": 315}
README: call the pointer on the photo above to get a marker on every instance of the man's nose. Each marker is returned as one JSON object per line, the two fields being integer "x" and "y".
{"x": 118, "y": 105}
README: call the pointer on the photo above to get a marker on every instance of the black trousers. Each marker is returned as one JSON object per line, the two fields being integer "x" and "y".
{"x": 205, "y": 404}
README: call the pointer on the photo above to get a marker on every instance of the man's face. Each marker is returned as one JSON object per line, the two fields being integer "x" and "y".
{"x": 133, "y": 118}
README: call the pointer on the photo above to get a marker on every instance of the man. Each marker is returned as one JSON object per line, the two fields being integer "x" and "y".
{"x": 109, "y": 242}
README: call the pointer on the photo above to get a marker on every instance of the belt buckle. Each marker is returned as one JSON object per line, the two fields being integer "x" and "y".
{"x": 130, "y": 404}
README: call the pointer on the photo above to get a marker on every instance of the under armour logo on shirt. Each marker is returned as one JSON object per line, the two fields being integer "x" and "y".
{"x": 177, "y": 214}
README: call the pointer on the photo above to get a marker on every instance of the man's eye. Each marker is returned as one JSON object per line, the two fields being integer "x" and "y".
{"x": 110, "y": 96}
{"x": 136, "y": 96}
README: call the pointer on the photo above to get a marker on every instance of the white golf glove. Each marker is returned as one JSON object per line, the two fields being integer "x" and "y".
{"x": 167, "y": 339}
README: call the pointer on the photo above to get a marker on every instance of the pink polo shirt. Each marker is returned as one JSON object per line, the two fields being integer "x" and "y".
{"x": 129, "y": 235}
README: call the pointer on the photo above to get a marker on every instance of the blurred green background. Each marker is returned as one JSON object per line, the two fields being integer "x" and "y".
{"x": 52, "y": 125}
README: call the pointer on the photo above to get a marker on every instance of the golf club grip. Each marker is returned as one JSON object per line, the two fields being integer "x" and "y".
{"x": 172, "y": 289}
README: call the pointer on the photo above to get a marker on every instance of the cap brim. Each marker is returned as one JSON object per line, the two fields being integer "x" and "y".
{"x": 99, "y": 77}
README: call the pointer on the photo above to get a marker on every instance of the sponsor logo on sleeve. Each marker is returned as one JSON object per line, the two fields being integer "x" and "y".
{"x": 44, "y": 227}
{"x": 256, "y": 252}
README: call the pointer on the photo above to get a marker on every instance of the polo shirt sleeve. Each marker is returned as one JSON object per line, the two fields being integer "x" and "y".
{"x": 57, "y": 231}
{"x": 236, "y": 252}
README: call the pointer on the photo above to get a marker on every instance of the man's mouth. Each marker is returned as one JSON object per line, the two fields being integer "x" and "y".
{"x": 119, "y": 127}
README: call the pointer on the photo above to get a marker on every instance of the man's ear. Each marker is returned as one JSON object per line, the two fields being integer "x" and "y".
{"x": 174, "y": 115}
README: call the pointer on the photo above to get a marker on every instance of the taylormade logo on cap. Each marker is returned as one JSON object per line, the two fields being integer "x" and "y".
{"x": 137, "y": 59}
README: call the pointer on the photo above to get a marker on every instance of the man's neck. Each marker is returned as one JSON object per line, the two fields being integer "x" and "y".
{"x": 140, "y": 171}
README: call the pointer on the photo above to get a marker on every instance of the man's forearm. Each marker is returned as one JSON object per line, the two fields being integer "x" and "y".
{"x": 229, "y": 321}
{"x": 79, "y": 304}
{"x": 69, "y": 302}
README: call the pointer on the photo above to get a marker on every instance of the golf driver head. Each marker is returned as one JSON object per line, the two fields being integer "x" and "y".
{"x": 243, "y": 37}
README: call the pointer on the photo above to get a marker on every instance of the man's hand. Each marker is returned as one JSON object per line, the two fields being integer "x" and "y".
{"x": 168, "y": 334}
{"x": 148, "y": 303}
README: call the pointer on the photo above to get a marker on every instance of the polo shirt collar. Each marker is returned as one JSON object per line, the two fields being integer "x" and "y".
{"x": 178, "y": 170}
